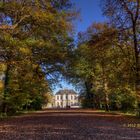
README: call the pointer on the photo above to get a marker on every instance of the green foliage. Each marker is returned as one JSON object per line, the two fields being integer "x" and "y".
{"x": 34, "y": 37}
{"x": 103, "y": 68}
{"x": 124, "y": 15}
{"x": 123, "y": 99}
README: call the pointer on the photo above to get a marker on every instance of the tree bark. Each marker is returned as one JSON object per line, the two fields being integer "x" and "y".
{"x": 137, "y": 62}
{"x": 4, "y": 105}
{"x": 89, "y": 94}
{"x": 106, "y": 96}
{"x": 105, "y": 88}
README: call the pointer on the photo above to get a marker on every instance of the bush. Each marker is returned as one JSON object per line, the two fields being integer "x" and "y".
{"x": 122, "y": 100}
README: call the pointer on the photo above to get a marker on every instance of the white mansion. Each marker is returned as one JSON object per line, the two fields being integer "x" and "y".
{"x": 66, "y": 98}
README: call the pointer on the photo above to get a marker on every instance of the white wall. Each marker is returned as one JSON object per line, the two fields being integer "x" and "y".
{"x": 62, "y": 101}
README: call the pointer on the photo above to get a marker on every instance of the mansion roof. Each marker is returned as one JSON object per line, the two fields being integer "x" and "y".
{"x": 66, "y": 91}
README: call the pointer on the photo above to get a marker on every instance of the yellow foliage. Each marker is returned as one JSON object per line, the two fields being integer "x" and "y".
{"x": 2, "y": 67}
{"x": 25, "y": 50}
{"x": 1, "y": 85}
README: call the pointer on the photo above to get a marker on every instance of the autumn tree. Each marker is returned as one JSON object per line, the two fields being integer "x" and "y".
{"x": 102, "y": 68}
{"x": 125, "y": 16}
{"x": 34, "y": 37}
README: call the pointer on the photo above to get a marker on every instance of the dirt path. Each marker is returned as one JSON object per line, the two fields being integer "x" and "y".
{"x": 70, "y": 125}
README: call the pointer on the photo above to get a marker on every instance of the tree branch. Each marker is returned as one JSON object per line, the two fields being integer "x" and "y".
{"x": 137, "y": 11}
{"x": 12, "y": 27}
{"x": 128, "y": 10}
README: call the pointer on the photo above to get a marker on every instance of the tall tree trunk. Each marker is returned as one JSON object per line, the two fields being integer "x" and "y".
{"x": 4, "y": 105}
{"x": 137, "y": 62}
{"x": 105, "y": 88}
{"x": 89, "y": 94}
{"x": 106, "y": 96}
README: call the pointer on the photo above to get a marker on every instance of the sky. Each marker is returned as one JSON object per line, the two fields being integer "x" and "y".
{"x": 90, "y": 12}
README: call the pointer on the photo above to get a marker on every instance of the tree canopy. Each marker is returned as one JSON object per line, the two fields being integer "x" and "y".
{"x": 35, "y": 37}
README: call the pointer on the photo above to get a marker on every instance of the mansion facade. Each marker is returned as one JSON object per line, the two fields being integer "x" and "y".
{"x": 64, "y": 99}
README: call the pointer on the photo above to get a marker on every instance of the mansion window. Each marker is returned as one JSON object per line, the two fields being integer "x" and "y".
{"x": 57, "y": 103}
{"x": 66, "y": 97}
{"x": 71, "y": 97}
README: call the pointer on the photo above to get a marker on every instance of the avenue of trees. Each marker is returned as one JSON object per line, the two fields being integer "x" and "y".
{"x": 37, "y": 46}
